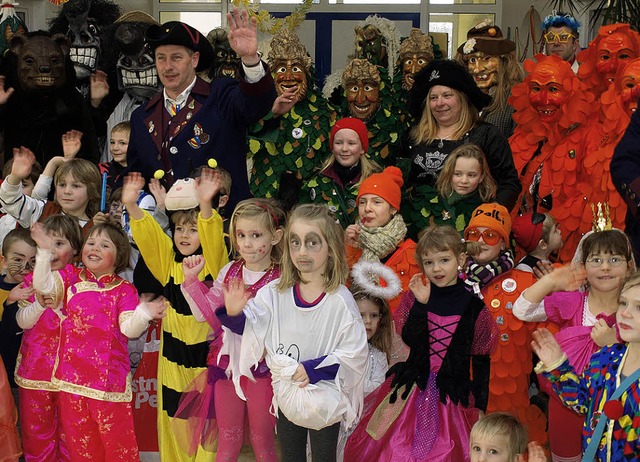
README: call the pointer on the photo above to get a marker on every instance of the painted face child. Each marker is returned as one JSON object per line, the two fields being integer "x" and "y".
{"x": 256, "y": 233}
{"x": 67, "y": 239}
{"x": 18, "y": 255}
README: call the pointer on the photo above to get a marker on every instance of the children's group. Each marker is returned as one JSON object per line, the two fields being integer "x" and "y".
{"x": 431, "y": 266}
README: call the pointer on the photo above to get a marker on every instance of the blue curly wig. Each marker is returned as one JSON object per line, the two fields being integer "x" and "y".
{"x": 561, "y": 19}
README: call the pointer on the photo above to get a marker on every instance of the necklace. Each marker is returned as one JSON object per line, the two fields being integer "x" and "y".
{"x": 441, "y": 140}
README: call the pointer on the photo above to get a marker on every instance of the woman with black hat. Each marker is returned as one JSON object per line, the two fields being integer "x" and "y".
{"x": 446, "y": 102}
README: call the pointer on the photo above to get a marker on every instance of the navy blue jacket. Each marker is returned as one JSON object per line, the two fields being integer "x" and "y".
{"x": 212, "y": 124}
{"x": 625, "y": 173}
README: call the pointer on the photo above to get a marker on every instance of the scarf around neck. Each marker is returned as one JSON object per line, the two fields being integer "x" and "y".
{"x": 377, "y": 243}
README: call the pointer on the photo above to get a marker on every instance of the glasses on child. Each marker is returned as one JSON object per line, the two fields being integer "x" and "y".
{"x": 489, "y": 236}
{"x": 597, "y": 262}
{"x": 561, "y": 37}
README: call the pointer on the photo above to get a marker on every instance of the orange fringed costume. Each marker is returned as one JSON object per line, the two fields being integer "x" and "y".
{"x": 614, "y": 45}
{"x": 10, "y": 448}
{"x": 617, "y": 105}
{"x": 402, "y": 262}
{"x": 548, "y": 145}
{"x": 511, "y": 362}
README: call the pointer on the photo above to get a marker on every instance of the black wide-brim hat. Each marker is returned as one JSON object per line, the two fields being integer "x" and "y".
{"x": 449, "y": 74}
{"x": 179, "y": 33}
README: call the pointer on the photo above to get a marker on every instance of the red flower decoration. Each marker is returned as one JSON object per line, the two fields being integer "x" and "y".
{"x": 613, "y": 409}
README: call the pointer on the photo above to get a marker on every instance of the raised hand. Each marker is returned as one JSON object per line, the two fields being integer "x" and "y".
{"x": 542, "y": 268}
{"x": 420, "y": 289}
{"x": 207, "y": 186}
{"x": 546, "y": 347}
{"x": 71, "y": 143}
{"x": 192, "y": 266}
{"x": 23, "y": 160}
{"x": 4, "y": 94}
{"x": 568, "y": 278}
{"x": 158, "y": 191}
{"x": 243, "y": 36}
{"x": 235, "y": 296}
{"x": 99, "y": 87}
{"x": 132, "y": 184}
{"x": 41, "y": 237}
{"x": 536, "y": 453}
{"x": 100, "y": 218}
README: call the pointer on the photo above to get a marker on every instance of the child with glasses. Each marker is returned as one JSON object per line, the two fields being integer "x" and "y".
{"x": 582, "y": 301}
{"x": 488, "y": 238}
{"x": 537, "y": 234}
{"x": 493, "y": 257}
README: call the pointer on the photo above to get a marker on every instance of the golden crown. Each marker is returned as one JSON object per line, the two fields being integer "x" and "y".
{"x": 601, "y": 217}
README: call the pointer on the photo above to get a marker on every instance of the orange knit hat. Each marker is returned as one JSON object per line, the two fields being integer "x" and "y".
{"x": 493, "y": 216}
{"x": 387, "y": 185}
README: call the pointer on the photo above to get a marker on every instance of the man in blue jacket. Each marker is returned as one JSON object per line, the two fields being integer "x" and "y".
{"x": 193, "y": 121}
{"x": 625, "y": 174}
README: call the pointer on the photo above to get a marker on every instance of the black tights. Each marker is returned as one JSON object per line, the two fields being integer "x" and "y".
{"x": 293, "y": 441}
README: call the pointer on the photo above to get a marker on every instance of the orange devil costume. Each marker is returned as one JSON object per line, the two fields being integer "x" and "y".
{"x": 552, "y": 109}
{"x": 617, "y": 105}
{"x": 614, "y": 45}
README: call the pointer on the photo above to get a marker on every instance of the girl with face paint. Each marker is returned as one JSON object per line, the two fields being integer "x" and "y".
{"x": 255, "y": 230}
{"x": 308, "y": 328}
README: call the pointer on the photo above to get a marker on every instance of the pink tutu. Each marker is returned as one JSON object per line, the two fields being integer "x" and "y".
{"x": 420, "y": 428}
{"x": 197, "y": 409}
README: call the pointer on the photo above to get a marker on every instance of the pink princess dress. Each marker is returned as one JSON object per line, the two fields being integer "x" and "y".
{"x": 197, "y": 402}
{"x": 440, "y": 399}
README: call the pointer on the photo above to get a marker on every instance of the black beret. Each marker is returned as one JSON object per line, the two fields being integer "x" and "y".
{"x": 179, "y": 33}
{"x": 447, "y": 73}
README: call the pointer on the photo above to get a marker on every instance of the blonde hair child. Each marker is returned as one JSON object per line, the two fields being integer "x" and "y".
{"x": 500, "y": 437}
{"x": 256, "y": 230}
{"x": 77, "y": 190}
{"x": 607, "y": 390}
